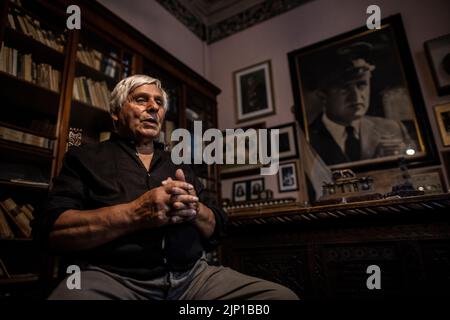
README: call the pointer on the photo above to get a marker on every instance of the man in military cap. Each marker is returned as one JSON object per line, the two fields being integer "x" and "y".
{"x": 343, "y": 132}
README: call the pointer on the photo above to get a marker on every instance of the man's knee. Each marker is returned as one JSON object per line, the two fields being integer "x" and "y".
{"x": 280, "y": 292}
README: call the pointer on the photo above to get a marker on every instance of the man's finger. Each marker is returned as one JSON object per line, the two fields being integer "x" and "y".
{"x": 179, "y": 174}
{"x": 185, "y": 198}
{"x": 185, "y": 213}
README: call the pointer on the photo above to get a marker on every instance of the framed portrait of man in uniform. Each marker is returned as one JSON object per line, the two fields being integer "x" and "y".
{"x": 358, "y": 99}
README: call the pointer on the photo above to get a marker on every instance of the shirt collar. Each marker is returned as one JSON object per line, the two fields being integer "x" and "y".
{"x": 129, "y": 145}
{"x": 337, "y": 129}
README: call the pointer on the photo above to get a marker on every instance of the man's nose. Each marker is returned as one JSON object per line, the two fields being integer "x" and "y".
{"x": 152, "y": 106}
{"x": 355, "y": 95}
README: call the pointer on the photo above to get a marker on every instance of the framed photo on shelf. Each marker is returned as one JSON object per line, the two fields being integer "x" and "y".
{"x": 438, "y": 54}
{"x": 239, "y": 191}
{"x": 253, "y": 92}
{"x": 442, "y": 113}
{"x": 288, "y": 177}
{"x": 248, "y": 190}
{"x": 256, "y": 187}
{"x": 358, "y": 99}
{"x": 288, "y": 144}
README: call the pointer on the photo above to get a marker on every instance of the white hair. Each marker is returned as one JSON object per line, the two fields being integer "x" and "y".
{"x": 121, "y": 91}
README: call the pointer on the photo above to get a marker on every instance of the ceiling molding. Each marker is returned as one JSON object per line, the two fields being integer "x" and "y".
{"x": 214, "y": 20}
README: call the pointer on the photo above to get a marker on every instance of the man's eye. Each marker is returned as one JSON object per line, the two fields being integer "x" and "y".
{"x": 158, "y": 101}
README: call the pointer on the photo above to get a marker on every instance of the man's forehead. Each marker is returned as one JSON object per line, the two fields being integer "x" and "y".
{"x": 150, "y": 89}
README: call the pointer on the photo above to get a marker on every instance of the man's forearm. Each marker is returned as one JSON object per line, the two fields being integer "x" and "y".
{"x": 77, "y": 230}
{"x": 205, "y": 221}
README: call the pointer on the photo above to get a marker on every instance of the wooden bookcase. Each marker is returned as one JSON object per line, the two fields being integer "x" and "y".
{"x": 39, "y": 115}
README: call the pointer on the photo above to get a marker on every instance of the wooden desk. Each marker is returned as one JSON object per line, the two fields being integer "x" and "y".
{"x": 323, "y": 252}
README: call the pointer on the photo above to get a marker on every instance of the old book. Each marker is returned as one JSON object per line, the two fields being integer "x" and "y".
{"x": 5, "y": 230}
{"x": 17, "y": 216}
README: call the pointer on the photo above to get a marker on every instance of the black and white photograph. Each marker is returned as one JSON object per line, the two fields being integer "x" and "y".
{"x": 442, "y": 113}
{"x": 253, "y": 90}
{"x": 287, "y": 141}
{"x": 358, "y": 98}
{"x": 240, "y": 191}
{"x": 256, "y": 187}
{"x": 438, "y": 54}
{"x": 287, "y": 177}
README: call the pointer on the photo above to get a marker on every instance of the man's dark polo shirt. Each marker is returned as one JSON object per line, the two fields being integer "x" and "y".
{"x": 110, "y": 173}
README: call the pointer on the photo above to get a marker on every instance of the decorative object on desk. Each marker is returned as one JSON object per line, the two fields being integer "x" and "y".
{"x": 230, "y": 146}
{"x": 75, "y": 137}
{"x": 347, "y": 187}
{"x": 429, "y": 183}
{"x": 247, "y": 190}
{"x": 406, "y": 188}
{"x": 287, "y": 177}
{"x": 442, "y": 113}
{"x": 438, "y": 54}
{"x": 253, "y": 91}
{"x": 288, "y": 145}
{"x": 391, "y": 121}
{"x": 266, "y": 195}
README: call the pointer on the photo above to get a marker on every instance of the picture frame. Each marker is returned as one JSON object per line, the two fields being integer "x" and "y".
{"x": 254, "y": 92}
{"x": 438, "y": 55}
{"x": 234, "y": 170}
{"x": 389, "y": 121}
{"x": 248, "y": 190}
{"x": 239, "y": 191}
{"x": 288, "y": 144}
{"x": 288, "y": 177}
{"x": 256, "y": 187}
{"x": 442, "y": 113}
{"x": 428, "y": 182}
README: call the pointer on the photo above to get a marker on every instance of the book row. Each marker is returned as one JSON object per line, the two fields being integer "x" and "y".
{"x": 91, "y": 92}
{"x": 15, "y": 220}
{"x": 31, "y": 27}
{"x": 23, "y": 67}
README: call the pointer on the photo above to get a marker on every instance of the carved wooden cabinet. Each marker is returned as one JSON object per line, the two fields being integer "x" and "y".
{"x": 322, "y": 253}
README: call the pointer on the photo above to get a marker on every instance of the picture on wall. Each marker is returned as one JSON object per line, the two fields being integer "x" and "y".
{"x": 288, "y": 177}
{"x": 438, "y": 54}
{"x": 358, "y": 99}
{"x": 287, "y": 142}
{"x": 231, "y": 143}
{"x": 253, "y": 91}
{"x": 442, "y": 113}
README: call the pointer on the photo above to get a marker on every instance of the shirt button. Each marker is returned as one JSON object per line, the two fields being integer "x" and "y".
{"x": 165, "y": 260}
{"x": 148, "y": 174}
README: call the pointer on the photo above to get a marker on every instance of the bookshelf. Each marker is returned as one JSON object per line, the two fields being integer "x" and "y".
{"x": 56, "y": 85}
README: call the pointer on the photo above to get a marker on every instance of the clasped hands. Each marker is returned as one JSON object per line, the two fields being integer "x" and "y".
{"x": 175, "y": 201}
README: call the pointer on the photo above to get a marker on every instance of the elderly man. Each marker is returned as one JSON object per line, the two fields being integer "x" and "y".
{"x": 136, "y": 224}
{"x": 343, "y": 132}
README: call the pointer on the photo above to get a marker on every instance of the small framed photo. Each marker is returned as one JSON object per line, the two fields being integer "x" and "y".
{"x": 438, "y": 54}
{"x": 253, "y": 91}
{"x": 256, "y": 187}
{"x": 442, "y": 113}
{"x": 288, "y": 145}
{"x": 287, "y": 177}
{"x": 239, "y": 191}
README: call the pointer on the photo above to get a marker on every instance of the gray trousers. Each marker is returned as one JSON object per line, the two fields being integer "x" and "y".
{"x": 202, "y": 282}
